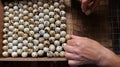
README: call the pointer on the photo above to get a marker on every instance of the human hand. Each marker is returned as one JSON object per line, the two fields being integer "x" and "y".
{"x": 81, "y": 50}
{"x": 88, "y": 6}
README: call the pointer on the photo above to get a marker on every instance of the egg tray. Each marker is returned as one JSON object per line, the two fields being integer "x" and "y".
{"x": 34, "y": 29}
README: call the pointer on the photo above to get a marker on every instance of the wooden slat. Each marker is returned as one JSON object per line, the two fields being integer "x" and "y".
{"x": 33, "y": 59}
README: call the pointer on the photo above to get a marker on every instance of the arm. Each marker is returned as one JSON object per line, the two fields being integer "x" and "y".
{"x": 81, "y": 50}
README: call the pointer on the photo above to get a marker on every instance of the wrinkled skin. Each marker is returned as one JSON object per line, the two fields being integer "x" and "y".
{"x": 82, "y": 50}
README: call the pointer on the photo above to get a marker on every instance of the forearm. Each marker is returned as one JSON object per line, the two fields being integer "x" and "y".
{"x": 109, "y": 59}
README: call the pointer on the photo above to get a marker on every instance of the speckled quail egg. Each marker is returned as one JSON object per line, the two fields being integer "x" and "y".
{"x": 59, "y": 48}
{"x": 35, "y": 6}
{"x": 26, "y": 30}
{"x": 30, "y": 15}
{"x": 41, "y": 15}
{"x": 20, "y": 33}
{"x": 30, "y": 39}
{"x": 15, "y": 42}
{"x": 20, "y": 39}
{"x": 16, "y": 24}
{"x": 10, "y": 45}
{"x": 63, "y": 26}
{"x": 30, "y": 45}
{"x": 62, "y": 40}
{"x": 25, "y": 18}
{"x": 58, "y": 23}
{"x": 41, "y": 39}
{"x": 40, "y": 53}
{"x": 11, "y": 10}
{"x": 62, "y": 7}
{"x": 56, "y": 54}
{"x": 14, "y": 54}
{"x": 25, "y": 6}
{"x": 46, "y": 36}
{"x": 52, "y": 33}
{"x": 39, "y": 3}
{"x": 57, "y": 36}
{"x": 5, "y": 54}
{"x": 6, "y": 30}
{"x": 57, "y": 10}
{"x": 36, "y": 17}
{"x": 52, "y": 20}
{"x": 40, "y": 9}
{"x": 46, "y": 11}
{"x": 35, "y": 48}
{"x": 19, "y": 51}
{"x": 31, "y": 33}
{"x": 57, "y": 17}
{"x": 30, "y": 51}
{"x": 35, "y": 42}
{"x": 6, "y": 8}
{"x": 11, "y": 28}
{"x": 51, "y": 14}
{"x": 5, "y": 36}
{"x": 46, "y": 5}
{"x": 34, "y": 54}
{"x": 49, "y": 54}
{"x": 46, "y": 43}
{"x": 11, "y": 16}
{"x": 30, "y": 3}
{"x": 64, "y": 44}
{"x": 36, "y": 29}
{"x": 42, "y": 32}
{"x": 52, "y": 26}
{"x": 52, "y": 39}
{"x": 67, "y": 37}
{"x": 56, "y": 43}
{"x": 21, "y": 27}
{"x": 62, "y": 54}
{"x": 15, "y": 36}
{"x": 51, "y": 8}
{"x": 24, "y": 54}
{"x": 62, "y": 13}
{"x": 63, "y": 33}
{"x": 10, "y": 51}
{"x": 45, "y": 49}
{"x": 14, "y": 48}
{"x": 10, "y": 33}
{"x": 41, "y": 26}
{"x": 47, "y": 29}
{"x": 5, "y": 48}
{"x": 6, "y": 19}
{"x": 20, "y": 45}
{"x": 46, "y": 17}
{"x": 41, "y": 46}
{"x": 25, "y": 42}
{"x": 52, "y": 47}
{"x": 16, "y": 19}
{"x": 24, "y": 48}
{"x": 46, "y": 23}
{"x": 57, "y": 29}
{"x": 63, "y": 19}
{"x": 56, "y": 4}
{"x": 41, "y": 20}
{"x": 10, "y": 39}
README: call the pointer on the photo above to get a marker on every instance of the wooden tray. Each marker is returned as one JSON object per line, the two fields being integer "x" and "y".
{"x": 95, "y": 26}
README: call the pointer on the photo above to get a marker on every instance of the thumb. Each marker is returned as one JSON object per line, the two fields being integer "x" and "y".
{"x": 74, "y": 37}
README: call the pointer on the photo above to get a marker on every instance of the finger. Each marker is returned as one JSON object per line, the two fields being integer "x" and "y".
{"x": 74, "y": 37}
{"x": 73, "y": 62}
{"x": 69, "y": 49}
{"x": 84, "y": 5}
{"x": 71, "y": 56}
{"x": 70, "y": 42}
